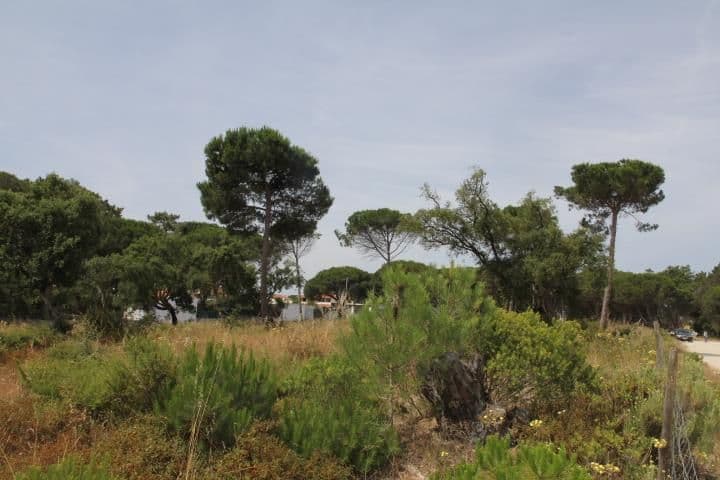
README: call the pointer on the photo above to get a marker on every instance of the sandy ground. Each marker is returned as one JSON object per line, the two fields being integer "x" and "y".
{"x": 710, "y": 350}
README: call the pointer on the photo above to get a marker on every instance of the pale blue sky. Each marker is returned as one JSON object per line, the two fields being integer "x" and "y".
{"x": 124, "y": 95}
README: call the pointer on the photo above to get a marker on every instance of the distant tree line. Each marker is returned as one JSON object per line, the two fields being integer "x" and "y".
{"x": 65, "y": 250}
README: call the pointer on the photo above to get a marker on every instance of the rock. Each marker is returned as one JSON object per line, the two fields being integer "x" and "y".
{"x": 455, "y": 388}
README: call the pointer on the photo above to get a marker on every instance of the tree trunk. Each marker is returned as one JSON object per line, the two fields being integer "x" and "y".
{"x": 49, "y": 313}
{"x": 265, "y": 260}
{"x": 47, "y": 309}
{"x": 173, "y": 314}
{"x": 300, "y": 305}
{"x": 605, "y": 312}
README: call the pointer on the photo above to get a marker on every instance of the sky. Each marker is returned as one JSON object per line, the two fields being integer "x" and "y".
{"x": 387, "y": 95}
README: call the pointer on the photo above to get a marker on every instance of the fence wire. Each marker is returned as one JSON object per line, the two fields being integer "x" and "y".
{"x": 683, "y": 464}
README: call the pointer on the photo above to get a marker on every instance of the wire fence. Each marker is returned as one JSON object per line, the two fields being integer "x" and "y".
{"x": 682, "y": 462}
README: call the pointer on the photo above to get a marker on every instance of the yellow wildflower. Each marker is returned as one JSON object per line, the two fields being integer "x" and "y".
{"x": 659, "y": 443}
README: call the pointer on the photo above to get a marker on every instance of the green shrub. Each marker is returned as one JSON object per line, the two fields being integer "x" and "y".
{"x": 529, "y": 360}
{"x": 70, "y": 374}
{"x": 69, "y": 469}
{"x": 26, "y": 335}
{"x": 352, "y": 431}
{"x": 100, "y": 379}
{"x": 418, "y": 318}
{"x": 74, "y": 349}
{"x": 218, "y": 395}
{"x": 138, "y": 380}
{"x": 331, "y": 407}
{"x": 495, "y": 460}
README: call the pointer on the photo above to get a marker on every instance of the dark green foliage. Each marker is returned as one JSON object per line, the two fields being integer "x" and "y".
{"x": 162, "y": 270}
{"x": 416, "y": 319}
{"x": 383, "y": 233}
{"x": 407, "y": 266}
{"x": 496, "y": 460}
{"x": 607, "y": 190}
{"x": 167, "y": 222}
{"x": 69, "y": 468}
{"x": 48, "y": 229}
{"x": 527, "y": 260}
{"x": 258, "y": 182}
{"x": 333, "y": 282}
{"x": 332, "y": 407}
{"x": 629, "y": 186}
{"x": 217, "y": 395}
{"x": 144, "y": 374}
{"x": 352, "y": 431}
{"x": 707, "y": 301}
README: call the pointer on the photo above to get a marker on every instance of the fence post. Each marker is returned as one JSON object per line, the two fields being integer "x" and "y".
{"x": 659, "y": 354}
{"x": 666, "y": 454}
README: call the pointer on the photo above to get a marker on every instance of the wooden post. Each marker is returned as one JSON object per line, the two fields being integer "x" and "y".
{"x": 666, "y": 454}
{"x": 659, "y": 354}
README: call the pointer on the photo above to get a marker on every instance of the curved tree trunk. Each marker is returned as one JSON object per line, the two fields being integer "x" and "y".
{"x": 173, "y": 315}
{"x": 605, "y": 312}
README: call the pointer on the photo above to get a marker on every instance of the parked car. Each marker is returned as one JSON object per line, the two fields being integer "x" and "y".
{"x": 685, "y": 335}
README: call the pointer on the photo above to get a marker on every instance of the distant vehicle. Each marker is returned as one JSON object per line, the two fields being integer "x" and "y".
{"x": 684, "y": 334}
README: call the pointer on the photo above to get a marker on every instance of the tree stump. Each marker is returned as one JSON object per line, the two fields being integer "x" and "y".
{"x": 455, "y": 388}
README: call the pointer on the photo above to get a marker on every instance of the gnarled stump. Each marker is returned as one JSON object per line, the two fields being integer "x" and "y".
{"x": 455, "y": 388}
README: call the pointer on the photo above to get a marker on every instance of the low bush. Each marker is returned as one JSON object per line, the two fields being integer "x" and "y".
{"x": 70, "y": 374}
{"x": 101, "y": 379}
{"x": 416, "y": 319}
{"x": 353, "y": 432}
{"x": 216, "y": 396}
{"x": 496, "y": 460}
{"x": 531, "y": 362}
{"x": 143, "y": 374}
{"x": 259, "y": 455}
{"x": 16, "y": 336}
{"x": 69, "y": 468}
{"x": 330, "y": 407}
{"x": 140, "y": 449}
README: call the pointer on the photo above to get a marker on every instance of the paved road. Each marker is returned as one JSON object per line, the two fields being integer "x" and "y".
{"x": 710, "y": 350}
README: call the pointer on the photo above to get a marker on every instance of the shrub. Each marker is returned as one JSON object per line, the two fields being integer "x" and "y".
{"x": 70, "y": 374}
{"x": 495, "y": 459}
{"x": 69, "y": 468}
{"x": 26, "y": 335}
{"x": 529, "y": 360}
{"x": 417, "y": 318}
{"x": 259, "y": 455}
{"x": 330, "y": 407}
{"x": 352, "y": 431}
{"x": 140, "y": 449}
{"x": 100, "y": 379}
{"x": 218, "y": 395}
{"x": 139, "y": 379}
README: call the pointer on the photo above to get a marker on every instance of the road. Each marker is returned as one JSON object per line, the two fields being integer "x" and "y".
{"x": 710, "y": 350}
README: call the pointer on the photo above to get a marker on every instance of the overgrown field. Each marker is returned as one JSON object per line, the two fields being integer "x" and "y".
{"x": 344, "y": 399}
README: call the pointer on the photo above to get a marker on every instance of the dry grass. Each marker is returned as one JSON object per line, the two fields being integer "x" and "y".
{"x": 289, "y": 344}
{"x": 33, "y": 433}
{"x": 426, "y": 450}
{"x": 615, "y": 354}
